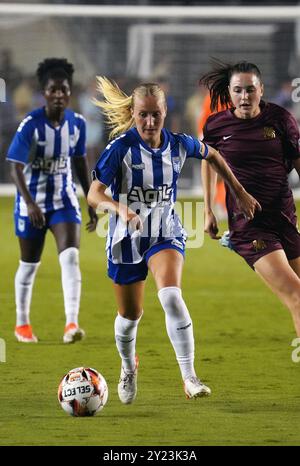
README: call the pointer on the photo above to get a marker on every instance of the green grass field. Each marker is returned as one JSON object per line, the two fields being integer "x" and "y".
{"x": 243, "y": 352}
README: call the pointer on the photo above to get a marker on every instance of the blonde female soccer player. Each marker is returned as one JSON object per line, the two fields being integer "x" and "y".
{"x": 141, "y": 165}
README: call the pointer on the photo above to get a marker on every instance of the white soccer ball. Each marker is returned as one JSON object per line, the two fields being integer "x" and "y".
{"x": 82, "y": 392}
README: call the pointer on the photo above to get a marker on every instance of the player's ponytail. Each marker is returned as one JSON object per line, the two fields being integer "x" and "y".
{"x": 217, "y": 81}
{"x": 117, "y": 105}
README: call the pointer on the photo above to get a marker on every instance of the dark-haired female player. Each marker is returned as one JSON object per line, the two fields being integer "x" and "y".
{"x": 40, "y": 155}
{"x": 260, "y": 142}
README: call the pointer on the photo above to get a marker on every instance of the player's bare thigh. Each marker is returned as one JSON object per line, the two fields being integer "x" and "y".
{"x": 295, "y": 264}
{"x": 277, "y": 272}
{"x": 130, "y": 299}
{"x": 166, "y": 267}
{"x": 67, "y": 235}
{"x": 31, "y": 249}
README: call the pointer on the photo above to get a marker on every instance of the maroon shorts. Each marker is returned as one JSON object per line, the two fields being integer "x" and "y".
{"x": 260, "y": 242}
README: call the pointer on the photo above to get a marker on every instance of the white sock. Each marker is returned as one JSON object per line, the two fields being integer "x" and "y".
{"x": 71, "y": 283}
{"x": 24, "y": 280}
{"x": 125, "y": 335}
{"x": 180, "y": 328}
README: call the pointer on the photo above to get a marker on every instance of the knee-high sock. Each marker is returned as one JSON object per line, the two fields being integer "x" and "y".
{"x": 125, "y": 335}
{"x": 71, "y": 283}
{"x": 24, "y": 280}
{"x": 179, "y": 327}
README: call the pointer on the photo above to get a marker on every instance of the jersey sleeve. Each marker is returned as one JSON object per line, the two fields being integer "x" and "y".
{"x": 208, "y": 137}
{"x": 108, "y": 164}
{"x": 19, "y": 148}
{"x": 194, "y": 147}
{"x": 292, "y": 138}
{"x": 80, "y": 148}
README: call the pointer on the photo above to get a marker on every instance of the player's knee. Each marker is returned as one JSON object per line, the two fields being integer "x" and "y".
{"x": 131, "y": 312}
{"x": 171, "y": 300}
{"x": 126, "y": 324}
{"x": 69, "y": 256}
{"x": 26, "y": 272}
{"x": 294, "y": 299}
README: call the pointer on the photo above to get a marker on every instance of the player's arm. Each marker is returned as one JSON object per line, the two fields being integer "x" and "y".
{"x": 297, "y": 166}
{"x": 82, "y": 172}
{"x": 35, "y": 214}
{"x": 101, "y": 202}
{"x": 247, "y": 203}
{"x": 291, "y": 142}
{"x": 209, "y": 180}
{"x": 18, "y": 157}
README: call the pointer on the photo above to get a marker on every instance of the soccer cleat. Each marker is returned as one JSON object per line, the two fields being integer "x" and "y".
{"x": 194, "y": 388}
{"x": 73, "y": 333}
{"x": 24, "y": 334}
{"x": 127, "y": 387}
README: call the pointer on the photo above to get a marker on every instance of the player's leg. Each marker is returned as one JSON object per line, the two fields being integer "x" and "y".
{"x": 295, "y": 264}
{"x": 130, "y": 299}
{"x": 282, "y": 277}
{"x": 130, "y": 309}
{"x": 166, "y": 266}
{"x": 67, "y": 237}
{"x": 219, "y": 200}
{"x": 31, "y": 251}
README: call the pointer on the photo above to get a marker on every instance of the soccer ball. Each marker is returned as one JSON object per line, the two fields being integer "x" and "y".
{"x": 82, "y": 392}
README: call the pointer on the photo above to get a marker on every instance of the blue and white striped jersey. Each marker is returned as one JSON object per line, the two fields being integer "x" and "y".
{"x": 46, "y": 153}
{"x": 145, "y": 179}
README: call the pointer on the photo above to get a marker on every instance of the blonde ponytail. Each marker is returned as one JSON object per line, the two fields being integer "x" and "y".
{"x": 117, "y": 105}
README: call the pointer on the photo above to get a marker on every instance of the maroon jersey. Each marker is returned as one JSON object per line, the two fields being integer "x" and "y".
{"x": 260, "y": 152}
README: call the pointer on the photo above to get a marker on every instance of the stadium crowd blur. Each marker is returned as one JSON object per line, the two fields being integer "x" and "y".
{"x": 22, "y": 95}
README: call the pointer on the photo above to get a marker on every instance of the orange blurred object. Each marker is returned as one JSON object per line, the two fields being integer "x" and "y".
{"x": 220, "y": 195}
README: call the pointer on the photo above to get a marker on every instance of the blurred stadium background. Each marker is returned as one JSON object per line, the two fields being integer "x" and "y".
{"x": 167, "y": 44}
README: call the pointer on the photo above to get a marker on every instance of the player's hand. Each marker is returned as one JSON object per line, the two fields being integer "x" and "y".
{"x": 247, "y": 204}
{"x": 36, "y": 216}
{"x": 135, "y": 223}
{"x": 92, "y": 223}
{"x": 211, "y": 225}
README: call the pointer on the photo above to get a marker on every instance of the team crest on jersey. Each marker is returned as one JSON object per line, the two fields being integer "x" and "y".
{"x": 176, "y": 164}
{"x": 259, "y": 245}
{"x": 269, "y": 132}
{"x": 21, "y": 224}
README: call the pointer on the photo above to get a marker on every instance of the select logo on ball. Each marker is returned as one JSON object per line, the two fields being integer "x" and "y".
{"x": 82, "y": 391}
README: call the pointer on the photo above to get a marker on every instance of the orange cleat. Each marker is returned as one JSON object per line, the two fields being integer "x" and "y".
{"x": 73, "y": 333}
{"x": 24, "y": 334}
